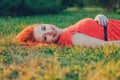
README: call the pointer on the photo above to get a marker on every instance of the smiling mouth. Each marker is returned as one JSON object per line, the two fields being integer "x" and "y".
{"x": 54, "y": 31}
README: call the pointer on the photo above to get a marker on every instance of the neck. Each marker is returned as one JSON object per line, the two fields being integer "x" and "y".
{"x": 61, "y": 30}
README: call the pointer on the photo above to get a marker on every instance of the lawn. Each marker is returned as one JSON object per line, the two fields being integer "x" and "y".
{"x": 55, "y": 63}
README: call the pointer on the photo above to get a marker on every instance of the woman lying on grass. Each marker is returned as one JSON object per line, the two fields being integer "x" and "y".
{"x": 86, "y": 32}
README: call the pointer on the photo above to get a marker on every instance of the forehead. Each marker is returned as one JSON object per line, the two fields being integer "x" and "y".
{"x": 38, "y": 33}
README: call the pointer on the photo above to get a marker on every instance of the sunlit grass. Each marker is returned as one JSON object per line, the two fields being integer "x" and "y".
{"x": 55, "y": 63}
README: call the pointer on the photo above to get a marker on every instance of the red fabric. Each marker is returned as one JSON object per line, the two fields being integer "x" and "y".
{"x": 91, "y": 28}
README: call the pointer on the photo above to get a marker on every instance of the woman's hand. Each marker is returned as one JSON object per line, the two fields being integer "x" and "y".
{"x": 102, "y": 20}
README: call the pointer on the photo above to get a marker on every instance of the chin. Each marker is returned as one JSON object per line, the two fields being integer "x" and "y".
{"x": 55, "y": 39}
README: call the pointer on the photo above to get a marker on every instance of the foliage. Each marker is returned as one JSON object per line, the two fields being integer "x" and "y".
{"x": 90, "y": 3}
{"x": 27, "y": 7}
{"x": 32, "y": 7}
{"x": 53, "y": 62}
{"x": 43, "y": 6}
{"x": 109, "y": 5}
{"x": 9, "y": 6}
{"x": 71, "y": 3}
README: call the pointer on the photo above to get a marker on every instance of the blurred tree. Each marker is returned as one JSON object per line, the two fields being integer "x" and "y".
{"x": 71, "y": 3}
{"x": 29, "y": 7}
{"x": 9, "y": 6}
{"x": 89, "y": 3}
{"x": 109, "y": 5}
{"x": 43, "y": 6}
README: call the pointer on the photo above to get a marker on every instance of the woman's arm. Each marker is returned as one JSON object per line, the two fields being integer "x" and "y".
{"x": 84, "y": 40}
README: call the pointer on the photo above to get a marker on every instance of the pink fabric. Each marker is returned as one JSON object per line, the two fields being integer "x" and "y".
{"x": 91, "y": 28}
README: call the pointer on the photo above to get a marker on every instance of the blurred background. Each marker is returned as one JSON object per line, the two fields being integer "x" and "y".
{"x": 33, "y": 7}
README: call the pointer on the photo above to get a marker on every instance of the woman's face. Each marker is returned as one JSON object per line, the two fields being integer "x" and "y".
{"x": 46, "y": 33}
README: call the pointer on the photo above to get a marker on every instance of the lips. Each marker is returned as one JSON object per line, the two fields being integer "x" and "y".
{"x": 54, "y": 31}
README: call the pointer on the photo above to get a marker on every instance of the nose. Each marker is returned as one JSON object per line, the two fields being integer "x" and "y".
{"x": 50, "y": 32}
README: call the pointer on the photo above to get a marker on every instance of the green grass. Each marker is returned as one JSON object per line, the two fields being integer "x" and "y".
{"x": 54, "y": 63}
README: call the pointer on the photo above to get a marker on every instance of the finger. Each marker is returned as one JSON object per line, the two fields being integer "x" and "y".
{"x": 96, "y": 18}
{"x": 104, "y": 22}
{"x": 101, "y": 21}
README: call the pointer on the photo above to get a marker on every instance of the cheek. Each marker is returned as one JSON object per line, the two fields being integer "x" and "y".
{"x": 55, "y": 39}
{"x": 49, "y": 38}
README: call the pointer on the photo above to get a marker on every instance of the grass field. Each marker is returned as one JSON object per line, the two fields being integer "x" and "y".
{"x": 54, "y": 63}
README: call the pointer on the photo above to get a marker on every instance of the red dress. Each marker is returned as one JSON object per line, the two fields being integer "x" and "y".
{"x": 91, "y": 28}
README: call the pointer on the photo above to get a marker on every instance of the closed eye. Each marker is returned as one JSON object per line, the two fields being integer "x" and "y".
{"x": 43, "y": 28}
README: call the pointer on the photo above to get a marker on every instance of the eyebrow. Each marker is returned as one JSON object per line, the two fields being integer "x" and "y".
{"x": 41, "y": 27}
